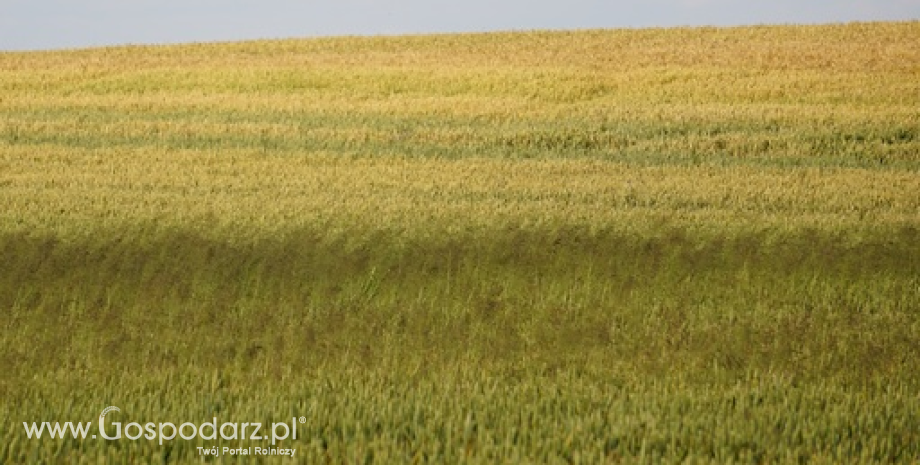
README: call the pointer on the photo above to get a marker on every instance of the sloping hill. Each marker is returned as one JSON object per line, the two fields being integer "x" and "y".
{"x": 687, "y": 244}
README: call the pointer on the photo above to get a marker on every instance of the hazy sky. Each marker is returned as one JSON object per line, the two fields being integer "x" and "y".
{"x": 50, "y": 24}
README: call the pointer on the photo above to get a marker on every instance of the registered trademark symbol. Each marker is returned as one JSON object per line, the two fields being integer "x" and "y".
{"x": 303, "y": 419}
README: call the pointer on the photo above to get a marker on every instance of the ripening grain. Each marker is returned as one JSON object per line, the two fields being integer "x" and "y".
{"x": 664, "y": 245}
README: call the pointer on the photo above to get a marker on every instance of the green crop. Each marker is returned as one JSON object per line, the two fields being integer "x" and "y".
{"x": 693, "y": 245}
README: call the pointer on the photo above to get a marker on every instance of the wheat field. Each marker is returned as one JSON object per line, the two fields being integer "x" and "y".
{"x": 690, "y": 245}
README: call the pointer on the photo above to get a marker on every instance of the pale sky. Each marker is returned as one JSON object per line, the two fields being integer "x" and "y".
{"x": 56, "y": 24}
